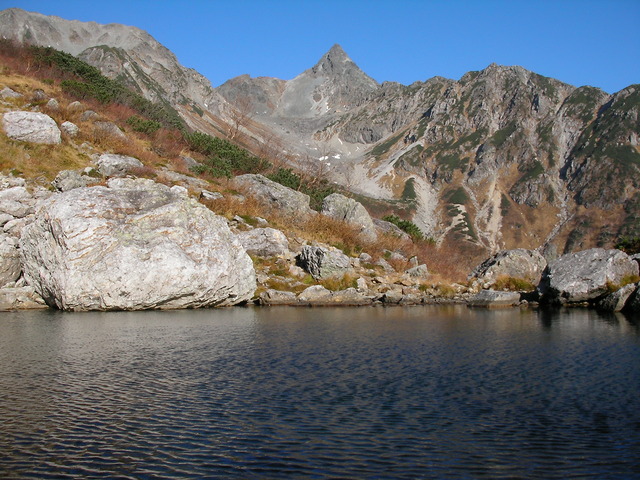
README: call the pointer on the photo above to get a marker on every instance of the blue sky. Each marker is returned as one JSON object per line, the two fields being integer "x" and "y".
{"x": 581, "y": 42}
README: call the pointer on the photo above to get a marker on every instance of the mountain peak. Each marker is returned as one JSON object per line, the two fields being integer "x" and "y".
{"x": 337, "y": 64}
{"x": 335, "y": 61}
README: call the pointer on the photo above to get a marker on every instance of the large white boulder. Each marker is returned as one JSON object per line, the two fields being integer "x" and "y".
{"x": 517, "y": 263}
{"x": 31, "y": 127}
{"x": 274, "y": 195}
{"x": 135, "y": 245}
{"x": 264, "y": 242}
{"x": 112, "y": 165}
{"x": 586, "y": 275}
{"x": 350, "y": 211}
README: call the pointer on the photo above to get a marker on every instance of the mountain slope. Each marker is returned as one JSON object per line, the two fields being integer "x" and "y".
{"x": 501, "y": 158}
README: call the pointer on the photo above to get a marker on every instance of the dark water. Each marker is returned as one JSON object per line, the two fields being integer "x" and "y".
{"x": 422, "y": 392}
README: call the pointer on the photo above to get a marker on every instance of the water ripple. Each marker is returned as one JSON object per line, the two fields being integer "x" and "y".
{"x": 319, "y": 393}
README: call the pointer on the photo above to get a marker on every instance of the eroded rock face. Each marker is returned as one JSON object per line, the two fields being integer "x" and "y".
{"x": 278, "y": 196}
{"x": 348, "y": 210}
{"x": 31, "y": 127}
{"x": 517, "y": 263}
{"x": 585, "y": 275}
{"x": 10, "y": 267}
{"x": 136, "y": 245}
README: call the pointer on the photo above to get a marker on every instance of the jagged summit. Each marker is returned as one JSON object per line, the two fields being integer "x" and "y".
{"x": 336, "y": 63}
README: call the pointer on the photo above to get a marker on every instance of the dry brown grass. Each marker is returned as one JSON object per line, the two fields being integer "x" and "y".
{"x": 34, "y": 161}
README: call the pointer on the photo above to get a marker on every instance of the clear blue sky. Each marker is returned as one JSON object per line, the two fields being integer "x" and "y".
{"x": 581, "y": 42}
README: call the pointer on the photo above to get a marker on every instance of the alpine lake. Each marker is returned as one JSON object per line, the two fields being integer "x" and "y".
{"x": 295, "y": 392}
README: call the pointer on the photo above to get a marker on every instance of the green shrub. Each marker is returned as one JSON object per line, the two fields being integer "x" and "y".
{"x": 141, "y": 125}
{"x": 286, "y": 177}
{"x": 224, "y": 158}
{"x": 405, "y": 225}
{"x": 629, "y": 245}
{"x": 85, "y": 81}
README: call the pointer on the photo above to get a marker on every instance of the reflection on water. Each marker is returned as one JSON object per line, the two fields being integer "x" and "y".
{"x": 419, "y": 392}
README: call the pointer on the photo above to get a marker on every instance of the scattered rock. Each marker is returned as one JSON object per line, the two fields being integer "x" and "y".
{"x": 17, "y": 202}
{"x": 518, "y": 263}
{"x": 264, "y": 242}
{"x": 109, "y": 129}
{"x": 275, "y": 195}
{"x": 392, "y": 297}
{"x": 389, "y": 228}
{"x": 420, "y": 271}
{"x": 350, "y": 296}
{"x": 348, "y": 210}
{"x": 53, "y": 104}
{"x": 615, "y": 301}
{"x": 210, "y": 196}
{"x": 585, "y": 275}
{"x": 386, "y": 266}
{"x": 323, "y": 262}
{"x": 89, "y": 115}
{"x": 7, "y": 93}
{"x": 70, "y": 128}
{"x": 494, "y": 298}
{"x": 136, "y": 245}
{"x": 365, "y": 258}
{"x": 69, "y": 179}
{"x": 315, "y": 294}
{"x": 112, "y": 165}
{"x": 7, "y": 181}
{"x": 31, "y": 127}
{"x": 75, "y": 106}
{"x": 277, "y": 297}
{"x": 38, "y": 95}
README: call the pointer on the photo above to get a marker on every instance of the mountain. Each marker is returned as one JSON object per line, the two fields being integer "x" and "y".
{"x": 501, "y": 158}
{"x": 120, "y": 52}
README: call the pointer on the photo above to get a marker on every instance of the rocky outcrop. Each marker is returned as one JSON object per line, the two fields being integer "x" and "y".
{"x": 264, "y": 242}
{"x": 111, "y": 165}
{"x": 322, "y": 262}
{"x": 279, "y": 197}
{"x": 10, "y": 266}
{"x": 616, "y": 301}
{"x": 31, "y": 127}
{"x": 20, "y": 298}
{"x": 585, "y": 276}
{"x": 494, "y": 299}
{"x": 633, "y": 303}
{"x": 518, "y": 263}
{"x": 135, "y": 245}
{"x": 349, "y": 210}
{"x": 16, "y": 202}
{"x": 70, "y": 179}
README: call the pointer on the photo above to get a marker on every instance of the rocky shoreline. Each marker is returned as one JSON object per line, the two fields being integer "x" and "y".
{"x": 135, "y": 244}
{"x": 102, "y": 239}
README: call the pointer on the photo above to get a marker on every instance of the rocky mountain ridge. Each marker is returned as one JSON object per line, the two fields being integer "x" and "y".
{"x": 501, "y": 158}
